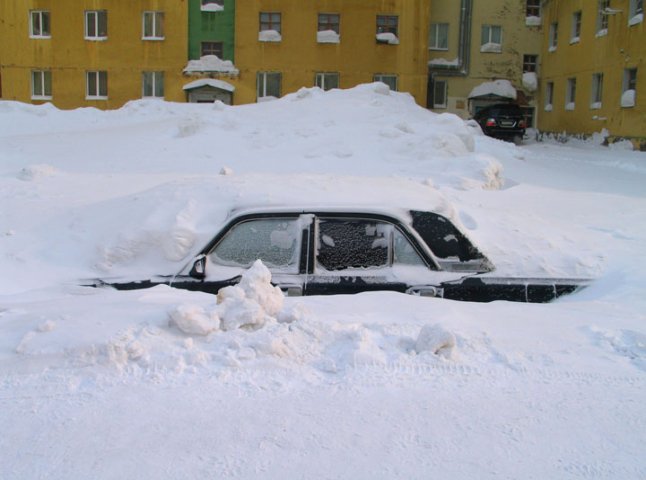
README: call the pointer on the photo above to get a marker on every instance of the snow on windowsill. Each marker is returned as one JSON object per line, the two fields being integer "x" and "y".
{"x": 157, "y": 39}
{"x": 549, "y": 107}
{"x": 602, "y": 33}
{"x": 269, "y": 36}
{"x": 211, "y": 63}
{"x": 595, "y": 106}
{"x": 40, "y": 37}
{"x": 212, "y": 7}
{"x": 491, "y": 48}
{"x": 388, "y": 37}
{"x": 96, "y": 98}
{"x": 41, "y": 97}
{"x": 328, "y": 36}
{"x": 639, "y": 18}
{"x": 530, "y": 81}
{"x": 96, "y": 39}
{"x": 574, "y": 40}
{"x": 444, "y": 62}
{"x": 533, "y": 21}
{"x": 628, "y": 99}
{"x": 552, "y": 49}
{"x": 569, "y": 106}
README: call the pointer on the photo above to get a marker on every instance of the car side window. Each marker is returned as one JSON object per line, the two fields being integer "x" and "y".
{"x": 362, "y": 243}
{"x": 275, "y": 241}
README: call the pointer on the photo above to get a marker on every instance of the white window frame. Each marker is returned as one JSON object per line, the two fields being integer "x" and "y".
{"x": 156, "y": 82}
{"x": 262, "y": 82}
{"x": 635, "y": 8}
{"x": 596, "y": 91}
{"x": 533, "y": 8}
{"x": 602, "y": 18}
{"x": 553, "y": 36}
{"x": 389, "y": 79}
{"x": 40, "y": 81}
{"x": 157, "y": 25}
{"x": 96, "y": 78}
{"x": 575, "y": 31}
{"x": 570, "y": 94}
{"x": 549, "y": 96}
{"x": 92, "y": 18}
{"x": 437, "y": 33}
{"x": 444, "y": 86}
{"x": 629, "y": 83}
{"x": 489, "y": 29}
{"x": 40, "y": 15}
{"x": 320, "y": 79}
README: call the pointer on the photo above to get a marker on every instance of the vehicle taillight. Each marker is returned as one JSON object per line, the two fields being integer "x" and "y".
{"x": 521, "y": 124}
{"x": 491, "y": 122}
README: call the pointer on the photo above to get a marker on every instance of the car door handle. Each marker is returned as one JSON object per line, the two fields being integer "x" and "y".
{"x": 426, "y": 291}
{"x": 292, "y": 290}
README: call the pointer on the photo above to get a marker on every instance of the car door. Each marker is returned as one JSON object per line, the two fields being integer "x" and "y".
{"x": 358, "y": 253}
{"x": 276, "y": 239}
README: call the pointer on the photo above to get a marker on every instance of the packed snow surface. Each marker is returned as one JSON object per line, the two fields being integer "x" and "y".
{"x": 166, "y": 383}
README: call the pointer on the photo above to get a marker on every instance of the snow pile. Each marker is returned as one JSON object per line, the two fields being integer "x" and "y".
{"x": 436, "y": 340}
{"x": 210, "y": 82}
{"x": 250, "y": 304}
{"x": 211, "y": 7}
{"x": 500, "y": 88}
{"x": 210, "y": 63}
{"x": 327, "y": 36}
{"x": 530, "y": 81}
{"x": 628, "y": 98}
{"x": 269, "y": 36}
{"x": 491, "y": 48}
{"x": 388, "y": 37}
{"x": 533, "y": 21}
{"x": 636, "y": 19}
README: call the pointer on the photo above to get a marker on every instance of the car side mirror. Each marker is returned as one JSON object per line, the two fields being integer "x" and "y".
{"x": 199, "y": 268}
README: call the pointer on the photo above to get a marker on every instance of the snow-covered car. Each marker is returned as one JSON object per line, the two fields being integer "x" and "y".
{"x": 504, "y": 121}
{"x": 341, "y": 251}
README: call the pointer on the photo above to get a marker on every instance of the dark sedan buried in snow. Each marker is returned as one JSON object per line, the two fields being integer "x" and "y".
{"x": 341, "y": 251}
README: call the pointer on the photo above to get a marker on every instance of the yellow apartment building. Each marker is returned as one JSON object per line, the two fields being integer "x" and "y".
{"x": 283, "y": 45}
{"x": 483, "y": 52}
{"x": 594, "y": 68}
{"x": 99, "y": 53}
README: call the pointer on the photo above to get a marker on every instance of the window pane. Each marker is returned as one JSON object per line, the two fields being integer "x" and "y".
{"x": 159, "y": 24}
{"x": 45, "y": 23}
{"x": 343, "y": 244}
{"x": 47, "y": 87}
{"x": 102, "y": 18}
{"x": 90, "y": 24}
{"x": 103, "y": 84}
{"x": 496, "y": 35}
{"x": 159, "y": 84}
{"x": 147, "y": 84}
{"x": 148, "y": 24}
{"x": 403, "y": 252}
{"x": 91, "y": 84}
{"x": 274, "y": 241}
{"x": 273, "y": 85}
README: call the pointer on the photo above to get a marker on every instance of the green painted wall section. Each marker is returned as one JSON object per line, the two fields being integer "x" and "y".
{"x": 211, "y": 27}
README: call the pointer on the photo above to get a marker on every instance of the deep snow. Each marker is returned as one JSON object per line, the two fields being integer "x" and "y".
{"x": 170, "y": 384}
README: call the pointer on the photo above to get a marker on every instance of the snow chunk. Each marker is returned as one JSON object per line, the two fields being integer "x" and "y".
{"x": 628, "y": 98}
{"x": 211, "y": 63}
{"x": 602, "y": 33}
{"x": 639, "y": 18}
{"x": 569, "y": 106}
{"x": 212, "y": 7}
{"x": 388, "y": 37}
{"x": 194, "y": 320}
{"x": 530, "y": 81}
{"x": 435, "y": 339}
{"x": 595, "y": 105}
{"x": 574, "y": 40}
{"x": 34, "y": 172}
{"x": 444, "y": 62}
{"x": 269, "y": 36}
{"x": 533, "y": 21}
{"x": 549, "y": 107}
{"x": 256, "y": 284}
{"x": 501, "y": 88}
{"x": 328, "y": 36}
{"x": 491, "y": 48}
{"x": 209, "y": 82}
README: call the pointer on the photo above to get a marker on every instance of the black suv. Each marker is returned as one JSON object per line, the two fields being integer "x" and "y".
{"x": 503, "y": 120}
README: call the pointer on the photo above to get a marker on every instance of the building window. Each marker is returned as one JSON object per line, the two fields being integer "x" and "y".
{"x": 628, "y": 97}
{"x": 528, "y": 115}
{"x": 491, "y": 39}
{"x": 153, "y": 25}
{"x": 530, "y": 62}
{"x": 388, "y": 79}
{"x": 211, "y": 48}
{"x": 269, "y": 21}
{"x": 440, "y": 98}
{"x": 329, "y": 22}
{"x": 549, "y": 96}
{"x": 153, "y": 84}
{"x": 97, "y": 85}
{"x": 387, "y": 29}
{"x": 96, "y": 24}
{"x": 636, "y": 7}
{"x": 575, "y": 35}
{"x": 570, "y": 94}
{"x": 327, "y": 81}
{"x": 439, "y": 36}
{"x": 597, "y": 90}
{"x": 268, "y": 84}
{"x": 554, "y": 36}
{"x": 602, "y": 17}
{"x": 41, "y": 85}
{"x": 39, "y": 24}
{"x": 533, "y": 8}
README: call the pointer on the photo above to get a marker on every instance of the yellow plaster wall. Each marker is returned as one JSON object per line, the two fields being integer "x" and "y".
{"x": 357, "y": 57}
{"x": 124, "y": 55}
{"x": 623, "y": 47}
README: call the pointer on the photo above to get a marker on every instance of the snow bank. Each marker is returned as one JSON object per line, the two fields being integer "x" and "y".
{"x": 501, "y": 88}
{"x": 327, "y": 36}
